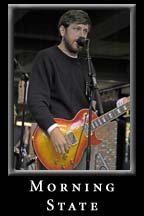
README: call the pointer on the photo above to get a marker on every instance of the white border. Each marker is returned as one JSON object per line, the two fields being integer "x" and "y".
{"x": 132, "y": 170}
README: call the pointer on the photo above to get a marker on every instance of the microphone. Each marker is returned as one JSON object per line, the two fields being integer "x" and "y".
{"x": 82, "y": 41}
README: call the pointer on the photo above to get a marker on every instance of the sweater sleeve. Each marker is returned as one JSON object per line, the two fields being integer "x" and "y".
{"x": 39, "y": 92}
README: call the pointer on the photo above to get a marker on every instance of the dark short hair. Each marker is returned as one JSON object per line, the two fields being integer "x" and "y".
{"x": 74, "y": 16}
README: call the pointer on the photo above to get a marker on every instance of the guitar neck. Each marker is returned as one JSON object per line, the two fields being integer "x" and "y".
{"x": 109, "y": 116}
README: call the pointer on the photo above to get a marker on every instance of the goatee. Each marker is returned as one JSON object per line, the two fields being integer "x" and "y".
{"x": 70, "y": 48}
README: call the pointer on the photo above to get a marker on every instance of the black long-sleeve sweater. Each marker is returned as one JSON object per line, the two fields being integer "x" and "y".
{"x": 57, "y": 86}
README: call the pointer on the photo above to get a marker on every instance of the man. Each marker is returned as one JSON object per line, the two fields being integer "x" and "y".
{"x": 57, "y": 85}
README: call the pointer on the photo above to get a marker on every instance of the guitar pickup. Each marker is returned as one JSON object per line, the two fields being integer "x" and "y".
{"x": 71, "y": 137}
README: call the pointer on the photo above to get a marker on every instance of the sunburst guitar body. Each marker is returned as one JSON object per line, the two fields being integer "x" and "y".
{"x": 76, "y": 134}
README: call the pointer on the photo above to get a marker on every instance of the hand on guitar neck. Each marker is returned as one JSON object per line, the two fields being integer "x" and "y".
{"x": 122, "y": 101}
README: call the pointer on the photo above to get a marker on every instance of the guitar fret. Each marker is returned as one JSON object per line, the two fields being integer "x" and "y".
{"x": 100, "y": 122}
{"x": 93, "y": 125}
{"x": 125, "y": 107}
{"x": 114, "y": 114}
{"x": 106, "y": 118}
{"x": 118, "y": 111}
{"x": 103, "y": 119}
{"x": 96, "y": 123}
{"x": 110, "y": 115}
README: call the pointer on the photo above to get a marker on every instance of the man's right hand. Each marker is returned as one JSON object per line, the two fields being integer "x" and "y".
{"x": 58, "y": 140}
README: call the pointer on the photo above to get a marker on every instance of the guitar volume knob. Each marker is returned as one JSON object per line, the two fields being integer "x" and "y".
{"x": 56, "y": 162}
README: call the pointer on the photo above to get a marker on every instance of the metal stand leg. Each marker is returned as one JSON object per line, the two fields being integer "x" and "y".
{"x": 104, "y": 166}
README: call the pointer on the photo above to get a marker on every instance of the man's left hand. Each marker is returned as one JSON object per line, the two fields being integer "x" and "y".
{"x": 122, "y": 101}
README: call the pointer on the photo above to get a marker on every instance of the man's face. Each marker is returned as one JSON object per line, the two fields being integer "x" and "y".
{"x": 71, "y": 35}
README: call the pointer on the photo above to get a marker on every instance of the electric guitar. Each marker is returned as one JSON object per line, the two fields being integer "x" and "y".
{"x": 76, "y": 134}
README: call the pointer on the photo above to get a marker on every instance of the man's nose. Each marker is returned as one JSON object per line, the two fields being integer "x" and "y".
{"x": 82, "y": 33}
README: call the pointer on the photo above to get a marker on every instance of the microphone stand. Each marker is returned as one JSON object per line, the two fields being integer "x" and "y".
{"x": 22, "y": 152}
{"x": 23, "y": 161}
{"x": 93, "y": 91}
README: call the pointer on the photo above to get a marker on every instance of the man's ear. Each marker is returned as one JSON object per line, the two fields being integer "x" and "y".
{"x": 62, "y": 30}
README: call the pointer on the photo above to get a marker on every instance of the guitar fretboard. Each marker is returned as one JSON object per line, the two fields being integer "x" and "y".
{"x": 107, "y": 117}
